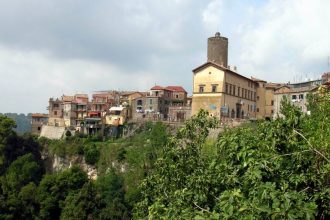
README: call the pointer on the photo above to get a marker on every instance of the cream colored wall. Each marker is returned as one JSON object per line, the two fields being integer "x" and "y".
{"x": 210, "y": 102}
{"x": 213, "y": 102}
{"x": 208, "y": 76}
{"x": 56, "y": 121}
{"x": 114, "y": 120}
{"x": 261, "y": 100}
{"x": 207, "y": 100}
{"x": 269, "y": 108}
{"x": 231, "y": 100}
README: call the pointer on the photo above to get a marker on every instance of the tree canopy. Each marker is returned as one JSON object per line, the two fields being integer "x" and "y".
{"x": 276, "y": 169}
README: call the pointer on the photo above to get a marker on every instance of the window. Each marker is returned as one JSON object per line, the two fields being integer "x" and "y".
{"x": 226, "y": 88}
{"x": 177, "y": 96}
{"x": 301, "y": 96}
{"x": 55, "y": 112}
{"x": 257, "y": 98}
{"x": 157, "y": 93}
{"x": 294, "y": 97}
{"x": 272, "y": 111}
{"x": 214, "y": 88}
{"x": 245, "y": 94}
{"x": 139, "y": 102}
{"x": 238, "y": 91}
{"x": 254, "y": 96}
{"x": 55, "y": 105}
{"x": 234, "y": 90}
{"x": 150, "y": 101}
{"x": 229, "y": 89}
{"x": 201, "y": 89}
{"x": 248, "y": 107}
{"x": 257, "y": 109}
{"x": 39, "y": 128}
{"x": 272, "y": 103}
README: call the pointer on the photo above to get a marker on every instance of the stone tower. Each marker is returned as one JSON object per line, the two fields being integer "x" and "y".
{"x": 217, "y": 50}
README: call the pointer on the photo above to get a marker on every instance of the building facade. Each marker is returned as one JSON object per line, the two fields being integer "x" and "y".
{"x": 220, "y": 90}
{"x": 37, "y": 121}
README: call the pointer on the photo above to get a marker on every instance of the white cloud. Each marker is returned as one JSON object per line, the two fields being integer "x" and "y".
{"x": 84, "y": 46}
{"x": 212, "y": 15}
{"x": 30, "y": 78}
{"x": 290, "y": 38}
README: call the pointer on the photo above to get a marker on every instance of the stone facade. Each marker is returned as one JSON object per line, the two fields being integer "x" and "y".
{"x": 217, "y": 50}
{"x": 38, "y": 120}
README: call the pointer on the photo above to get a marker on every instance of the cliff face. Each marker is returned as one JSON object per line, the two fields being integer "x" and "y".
{"x": 60, "y": 164}
{"x": 56, "y": 163}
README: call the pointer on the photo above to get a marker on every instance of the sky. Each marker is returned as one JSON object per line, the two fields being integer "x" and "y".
{"x": 53, "y": 47}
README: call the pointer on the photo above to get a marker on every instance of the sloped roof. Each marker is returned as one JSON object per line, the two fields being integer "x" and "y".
{"x": 157, "y": 88}
{"x": 39, "y": 115}
{"x": 176, "y": 88}
{"x": 257, "y": 80}
{"x": 221, "y": 68}
{"x": 287, "y": 89}
{"x": 274, "y": 85}
{"x": 67, "y": 98}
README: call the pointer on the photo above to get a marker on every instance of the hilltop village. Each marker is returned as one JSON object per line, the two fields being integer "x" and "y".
{"x": 217, "y": 88}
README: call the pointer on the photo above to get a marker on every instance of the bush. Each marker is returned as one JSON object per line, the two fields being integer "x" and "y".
{"x": 92, "y": 154}
{"x": 68, "y": 133}
{"x": 96, "y": 137}
{"x": 121, "y": 154}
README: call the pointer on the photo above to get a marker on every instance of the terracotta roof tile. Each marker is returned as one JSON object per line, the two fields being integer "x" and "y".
{"x": 176, "y": 88}
{"x": 157, "y": 88}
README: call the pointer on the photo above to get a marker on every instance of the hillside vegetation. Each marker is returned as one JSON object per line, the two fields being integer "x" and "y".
{"x": 268, "y": 170}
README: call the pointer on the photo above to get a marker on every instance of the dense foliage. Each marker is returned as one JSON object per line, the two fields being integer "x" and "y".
{"x": 28, "y": 192}
{"x": 274, "y": 170}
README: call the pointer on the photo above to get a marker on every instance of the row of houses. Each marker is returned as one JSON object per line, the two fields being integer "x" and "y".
{"x": 217, "y": 88}
{"x": 111, "y": 109}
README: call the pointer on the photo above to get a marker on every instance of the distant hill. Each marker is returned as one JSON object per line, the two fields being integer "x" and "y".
{"x": 23, "y": 121}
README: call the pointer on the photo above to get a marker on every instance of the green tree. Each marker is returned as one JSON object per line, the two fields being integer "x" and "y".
{"x": 81, "y": 204}
{"x": 278, "y": 170}
{"x": 6, "y": 131}
{"x": 13, "y": 146}
{"x": 53, "y": 190}
{"x": 111, "y": 189}
{"x": 158, "y": 135}
{"x": 92, "y": 154}
{"x": 18, "y": 187}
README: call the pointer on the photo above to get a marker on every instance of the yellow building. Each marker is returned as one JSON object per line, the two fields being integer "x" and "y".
{"x": 220, "y": 90}
{"x": 117, "y": 116}
{"x": 223, "y": 92}
{"x": 265, "y": 98}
